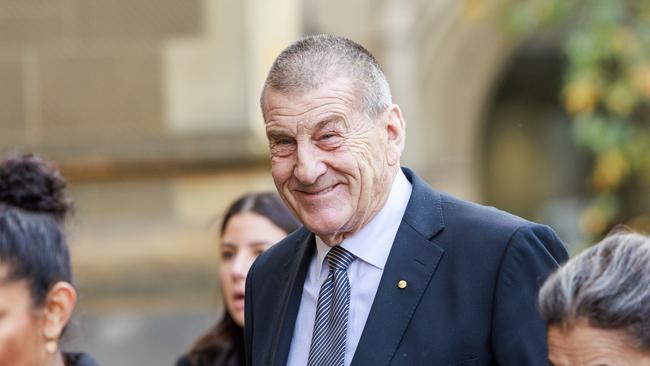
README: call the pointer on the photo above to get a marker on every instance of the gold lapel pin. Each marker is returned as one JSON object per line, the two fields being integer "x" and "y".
{"x": 402, "y": 284}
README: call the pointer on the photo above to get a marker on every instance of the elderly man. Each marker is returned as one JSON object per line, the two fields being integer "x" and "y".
{"x": 385, "y": 271}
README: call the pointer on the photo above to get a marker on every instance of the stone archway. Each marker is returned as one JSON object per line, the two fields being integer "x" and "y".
{"x": 460, "y": 61}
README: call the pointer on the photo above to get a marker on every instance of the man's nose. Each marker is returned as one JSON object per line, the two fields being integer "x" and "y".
{"x": 309, "y": 165}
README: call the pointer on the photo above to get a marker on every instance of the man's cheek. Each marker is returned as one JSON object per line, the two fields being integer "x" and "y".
{"x": 281, "y": 172}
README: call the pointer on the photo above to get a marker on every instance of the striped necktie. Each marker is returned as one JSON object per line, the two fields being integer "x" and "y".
{"x": 330, "y": 328}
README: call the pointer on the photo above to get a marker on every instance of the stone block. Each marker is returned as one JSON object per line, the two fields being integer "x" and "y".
{"x": 12, "y": 115}
{"x": 138, "y": 18}
{"x": 36, "y": 21}
{"x": 101, "y": 97}
{"x": 121, "y": 202}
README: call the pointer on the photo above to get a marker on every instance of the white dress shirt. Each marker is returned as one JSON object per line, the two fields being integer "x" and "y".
{"x": 371, "y": 245}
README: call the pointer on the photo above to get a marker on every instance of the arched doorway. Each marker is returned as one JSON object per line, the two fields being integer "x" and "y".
{"x": 530, "y": 164}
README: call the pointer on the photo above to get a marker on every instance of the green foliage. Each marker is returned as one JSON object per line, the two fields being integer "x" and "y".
{"x": 606, "y": 86}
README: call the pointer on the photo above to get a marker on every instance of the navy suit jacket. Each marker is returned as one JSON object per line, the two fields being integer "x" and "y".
{"x": 473, "y": 274}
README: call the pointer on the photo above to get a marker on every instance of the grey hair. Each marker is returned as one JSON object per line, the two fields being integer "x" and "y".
{"x": 608, "y": 285}
{"x": 314, "y": 60}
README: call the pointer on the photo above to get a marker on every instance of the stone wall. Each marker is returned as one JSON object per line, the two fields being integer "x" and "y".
{"x": 150, "y": 107}
{"x": 113, "y": 80}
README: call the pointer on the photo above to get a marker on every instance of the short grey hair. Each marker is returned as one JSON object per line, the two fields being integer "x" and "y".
{"x": 608, "y": 285}
{"x": 314, "y": 60}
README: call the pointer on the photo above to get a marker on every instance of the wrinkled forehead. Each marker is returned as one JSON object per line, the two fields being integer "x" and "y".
{"x": 338, "y": 94}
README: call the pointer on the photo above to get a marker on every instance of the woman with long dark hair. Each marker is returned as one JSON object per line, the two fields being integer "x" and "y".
{"x": 251, "y": 225}
{"x": 36, "y": 292}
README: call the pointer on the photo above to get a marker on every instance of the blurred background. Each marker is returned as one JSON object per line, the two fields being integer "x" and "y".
{"x": 150, "y": 107}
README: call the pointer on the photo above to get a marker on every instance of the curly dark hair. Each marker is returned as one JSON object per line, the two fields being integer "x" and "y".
{"x": 33, "y": 206}
{"x": 33, "y": 184}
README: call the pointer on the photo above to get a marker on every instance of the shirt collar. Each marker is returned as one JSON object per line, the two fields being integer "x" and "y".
{"x": 372, "y": 243}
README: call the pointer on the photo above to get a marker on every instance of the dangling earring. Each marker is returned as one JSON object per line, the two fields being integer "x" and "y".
{"x": 51, "y": 346}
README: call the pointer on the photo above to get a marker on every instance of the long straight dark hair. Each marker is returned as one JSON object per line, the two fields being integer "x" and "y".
{"x": 223, "y": 344}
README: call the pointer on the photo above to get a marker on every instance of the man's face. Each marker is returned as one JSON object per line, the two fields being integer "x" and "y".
{"x": 330, "y": 162}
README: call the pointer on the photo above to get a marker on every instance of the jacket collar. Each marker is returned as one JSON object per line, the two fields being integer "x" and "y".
{"x": 424, "y": 210}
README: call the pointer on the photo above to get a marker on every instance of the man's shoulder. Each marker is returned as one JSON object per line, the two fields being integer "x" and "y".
{"x": 427, "y": 203}
{"x": 430, "y": 207}
{"x": 458, "y": 211}
{"x": 489, "y": 230}
{"x": 472, "y": 231}
{"x": 464, "y": 223}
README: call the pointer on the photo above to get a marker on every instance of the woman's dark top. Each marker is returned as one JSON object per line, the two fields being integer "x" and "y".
{"x": 183, "y": 361}
{"x": 78, "y": 359}
{"x": 219, "y": 360}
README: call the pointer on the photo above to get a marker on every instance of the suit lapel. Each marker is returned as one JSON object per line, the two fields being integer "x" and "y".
{"x": 295, "y": 270}
{"x": 414, "y": 259}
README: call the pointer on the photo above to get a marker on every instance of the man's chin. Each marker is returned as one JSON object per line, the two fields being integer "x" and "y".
{"x": 332, "y": 239}
{"x": 321, "y": 231}
{"x": 331, "y": 235}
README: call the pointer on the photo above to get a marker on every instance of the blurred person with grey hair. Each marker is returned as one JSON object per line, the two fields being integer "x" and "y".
{"x": 385, "y": 270}
{"x": 598, "y": 305}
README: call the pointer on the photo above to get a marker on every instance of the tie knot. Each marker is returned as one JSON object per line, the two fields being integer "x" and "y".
{"x": 339, "y": 258}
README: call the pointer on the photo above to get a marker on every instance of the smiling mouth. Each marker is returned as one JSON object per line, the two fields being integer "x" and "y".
{"x": 321, "y": 192}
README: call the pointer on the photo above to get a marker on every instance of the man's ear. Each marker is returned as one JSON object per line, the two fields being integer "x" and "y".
{"x": 59, "y": 304}
{"x": 396, "y": 134}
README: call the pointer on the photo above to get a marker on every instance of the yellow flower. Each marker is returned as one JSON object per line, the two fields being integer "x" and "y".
{"x": 475, "y": 9}
{"x": 641, "y": 79}
{"x": 581, "y": 96}
{"x": 621, "y": 99}
{"x": 611, "y": 169}
{"x": 593, "y": 221}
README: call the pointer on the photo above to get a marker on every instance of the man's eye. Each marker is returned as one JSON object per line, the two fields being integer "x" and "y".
{"x": 282, "y": 146}
{"x": 281, "y": 140}
{"x": 227, "y": 255}
{"x": 329, "y": 140}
